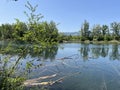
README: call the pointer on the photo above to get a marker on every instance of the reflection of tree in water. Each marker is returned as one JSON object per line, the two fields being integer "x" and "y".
{"x": 104, "y": 51}
{"x": 94, "y": 51}
{"x": 48, "y": 52}
{"x": 31, "y": 56}
{"x": 114, "y": 54}
{"x": 84, "y": 51}
{"x": 87, "y": 51}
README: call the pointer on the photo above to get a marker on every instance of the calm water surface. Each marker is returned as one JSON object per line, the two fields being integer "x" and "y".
{"x": 82, "y": 66}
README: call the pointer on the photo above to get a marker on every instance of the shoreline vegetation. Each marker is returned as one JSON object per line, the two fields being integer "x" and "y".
{"x": 93, "y": 42}
{"x": 47, "y": 32}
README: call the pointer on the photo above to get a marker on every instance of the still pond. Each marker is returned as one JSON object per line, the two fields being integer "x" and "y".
{"x": 81, "y": 66}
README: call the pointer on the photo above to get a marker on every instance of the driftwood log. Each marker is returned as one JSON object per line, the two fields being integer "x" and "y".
{"x": 36, "y": 81}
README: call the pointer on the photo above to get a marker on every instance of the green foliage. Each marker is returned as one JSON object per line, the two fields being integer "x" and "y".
{"x": 100, "y": 38}
{"x": 107, "y": 38}
{"x": 19, "y": 29}
{"x": 7, "y": 79}
{"x": 115, "y": 27}
{"x": 48, "y": 32}
{"x": 83, "y": 38}
{"x": 105, "y": 29}
{"x": 6, "y": 31}
{"x": 28, "y": 65}
{"x": 85, "y": 29}
{"x": 96, "y": 31}
{"x": 100, "y": 33}
{"x": 33, "y": 18}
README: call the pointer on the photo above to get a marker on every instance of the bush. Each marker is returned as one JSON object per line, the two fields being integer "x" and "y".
{"x": 108, "y": 38}
{"x": 100, "y": 38}
{"x": 8, "y": 79}
{"x": 117, "y": 38}
{"x": 83, "y": 38}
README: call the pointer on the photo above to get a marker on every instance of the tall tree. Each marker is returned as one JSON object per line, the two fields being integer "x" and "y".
{"x": 105, "y": 30}
{"x": 85, "y": 29}
{"x": 50, "y": 32}
{"x": 105, "y": 33}
{"x": 115, "y": 27}
{"x": 96, "y": 31}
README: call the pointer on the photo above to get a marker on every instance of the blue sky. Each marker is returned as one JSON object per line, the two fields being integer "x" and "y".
{"x": 69, "y": 13}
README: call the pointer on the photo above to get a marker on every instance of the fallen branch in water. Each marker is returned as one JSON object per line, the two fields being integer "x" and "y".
{"x": 34, "y": 82}
{"x": 46, "y": 83}
{"x": 37, "y": 81}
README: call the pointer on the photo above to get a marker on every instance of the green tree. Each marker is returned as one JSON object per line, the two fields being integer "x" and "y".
{"x": 50, "y": 32}
{"x": 96, "y": 32}
{"x": 33, "y": 23}
{"x": 20, "y": 29}
{"x": 85, "y": 30}
{"x": 6, "y": 31}
{"x": 105, "y": 32}
{"x": 115, "y": 27}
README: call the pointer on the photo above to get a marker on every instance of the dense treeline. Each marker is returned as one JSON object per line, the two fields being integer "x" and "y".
{"x": 96, "y": 33}
{"x": 20, "y": 31}
{"x": 100, "y": 32}
{"x": 48, "y": 32}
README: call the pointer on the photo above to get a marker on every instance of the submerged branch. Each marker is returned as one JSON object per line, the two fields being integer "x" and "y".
{"x": 43, "y": 83}
{"x": 38, "y": 81}
{"x": 34, "y": 82}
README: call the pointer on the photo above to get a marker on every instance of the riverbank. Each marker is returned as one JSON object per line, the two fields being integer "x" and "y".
{"x": 94, "y": 42}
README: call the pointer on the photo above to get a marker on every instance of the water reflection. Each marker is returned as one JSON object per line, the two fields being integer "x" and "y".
{"x": 84, "y": 51}
{"x": 50, "y": 53}
{"x": 32, "y": 50}
{"x": 104, "y": 51}
{"x": 115, "y": 53}
{"x": 83, "y": 66}
{"x": 95, "y": 51}
{"x": 87, "y": 51}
